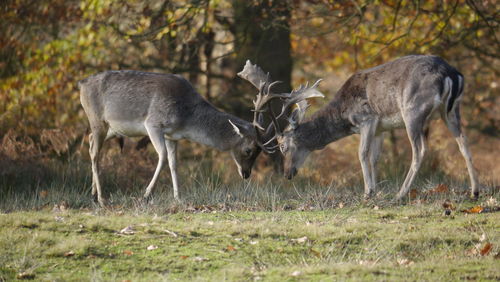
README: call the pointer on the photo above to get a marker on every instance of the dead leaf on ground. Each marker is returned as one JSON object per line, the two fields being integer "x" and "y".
{"x": 25, "y": 275}
{"x": 405, "y": 261}
{"x": 128, "y": 252}
{"x": 200, "y": 259}
{"x": 230, "y": 248}
{"x": 184, "y": 257}
{"x": 300, "y": 240}
{"x": 476, "y": 209}
{"x": 43, "y": 194}
{"x": 448, "y": 205}
{"x": 413, "y": 193}
{"x": 486, "y": 249}
{"x": 316, "y": 253}
{"x": 440, "y": 188}
{"x": 172, "y": 233}
{"x": 129, "y": 230}
{"x": 69, "y": 254}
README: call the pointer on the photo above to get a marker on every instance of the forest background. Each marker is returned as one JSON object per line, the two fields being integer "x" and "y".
{"x": 46, "y": 47}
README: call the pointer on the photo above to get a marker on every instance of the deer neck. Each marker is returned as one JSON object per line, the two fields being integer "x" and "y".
{"x": 325, "y": 126}
{"x": 209, "y": 126}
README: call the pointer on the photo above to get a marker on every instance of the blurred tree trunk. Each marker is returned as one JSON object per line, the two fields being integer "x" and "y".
{"x": 262, "y": 34}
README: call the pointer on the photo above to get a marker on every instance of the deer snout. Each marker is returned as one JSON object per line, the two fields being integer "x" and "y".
{"x": 245, "y": 174}
{"x": 291, "y": 173}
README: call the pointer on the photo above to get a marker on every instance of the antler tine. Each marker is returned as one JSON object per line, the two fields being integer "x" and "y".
{"x": 300, "y": 95}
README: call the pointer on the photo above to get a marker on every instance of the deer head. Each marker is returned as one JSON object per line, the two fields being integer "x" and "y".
{"x": 294, "y": 154}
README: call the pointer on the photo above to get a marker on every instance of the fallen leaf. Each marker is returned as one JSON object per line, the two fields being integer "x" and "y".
{"x": 491, "y": 202}
{"x": 69, "y": 254}
{"x": 43, "y": 194}
{"x": 413, "y": 193}
{"x": 476, "y": 209}
{"x": 200, "y": 259}
{"x": 127, "y": 231}
{"x": 300, "y": 240}
{"x": 482, "y": 238}
{"x": 316, "y": 253}
{"x": 25, "y": 275}
{"x": 440, "y": 188}
{"x": 184, "y": 257}
{"x": 447, "y": 204}
{"x": 128, "y": 252}
{"x": 405, "y": 261}
{"x": 173, "y": 234}
{"x": 486, "y": 249}
{"x": 152, "y": 247}
{"x": 230, "y": 248}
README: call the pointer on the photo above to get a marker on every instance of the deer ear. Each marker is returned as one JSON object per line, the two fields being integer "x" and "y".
{"x": 236, "y": 129}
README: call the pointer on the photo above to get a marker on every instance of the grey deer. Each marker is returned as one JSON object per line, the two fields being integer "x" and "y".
{"x": 166, "y": 108}
{"x": 405, "y": 93}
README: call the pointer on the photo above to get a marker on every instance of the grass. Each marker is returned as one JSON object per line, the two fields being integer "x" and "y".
{"x": 414, "y": 242}
{"x": 228, "y": 229}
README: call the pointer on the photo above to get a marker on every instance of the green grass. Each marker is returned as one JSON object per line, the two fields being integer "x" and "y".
{"x": 229, "y": 229}
{"x": 413, "y": 242}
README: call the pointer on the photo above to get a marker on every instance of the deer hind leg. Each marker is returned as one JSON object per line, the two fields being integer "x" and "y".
{"x": 367, "y": 131}
{"x": 452, "y": 120}
{"x": 172, "y": 163}
{"x": 96, "y": 140}
{"x": 415, "y": 129}
{"x": 158, "y": 140}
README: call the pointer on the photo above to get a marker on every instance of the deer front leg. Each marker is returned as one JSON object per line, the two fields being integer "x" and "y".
{"x": 158, "y": 141}
{"x": 172, "y": 163}
{"x": 375, "y": 150}
{"x": 367, "y": 131}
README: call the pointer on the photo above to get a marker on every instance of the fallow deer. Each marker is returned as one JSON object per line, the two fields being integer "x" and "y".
{"x": 166, "y": 108}
{"x": 405, "y": 93}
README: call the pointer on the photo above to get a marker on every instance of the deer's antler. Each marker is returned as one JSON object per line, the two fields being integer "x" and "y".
{"x": 262, "y": 81}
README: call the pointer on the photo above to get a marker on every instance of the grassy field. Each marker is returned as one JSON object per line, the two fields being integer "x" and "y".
{"x": 228, "y": 229}
{"x": 359, "y": 241}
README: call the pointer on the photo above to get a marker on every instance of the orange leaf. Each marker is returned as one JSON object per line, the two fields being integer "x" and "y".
{"x": 413, "y": 193}
{"x": 230, "y": 248}
{"x": 43, "y": 194}
{"x": 486, "y": 249}
{"x": 476, "y": 209}
{"x": 440, "y": 188}
{"x": 128, "y": 252}
{"x": 184, "y": 257}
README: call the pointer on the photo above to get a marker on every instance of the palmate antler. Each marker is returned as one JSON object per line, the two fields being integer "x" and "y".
{"x": 262, "y": 81}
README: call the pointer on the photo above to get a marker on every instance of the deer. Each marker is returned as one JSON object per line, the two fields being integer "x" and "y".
{"x": 166, "y": 108}
{"x": 408, "y": 93}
